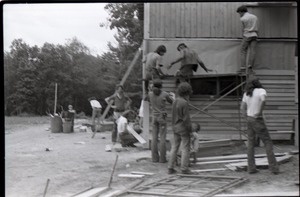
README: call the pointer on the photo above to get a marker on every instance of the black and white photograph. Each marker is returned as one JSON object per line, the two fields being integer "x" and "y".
{"x": 149, "y": 99}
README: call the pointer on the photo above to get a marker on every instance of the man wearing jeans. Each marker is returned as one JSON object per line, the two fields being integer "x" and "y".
{"x": 253, "y": 104}
{"x": 250, "y": 30}
{"x": 182, "y": 128}
{"x": 158, "y": 99}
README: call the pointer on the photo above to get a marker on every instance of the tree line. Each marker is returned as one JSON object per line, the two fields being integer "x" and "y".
{"x": 31, "y": 72}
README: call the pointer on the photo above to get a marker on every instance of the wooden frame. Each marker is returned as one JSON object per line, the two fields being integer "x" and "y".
{"x": 188, "y": 185}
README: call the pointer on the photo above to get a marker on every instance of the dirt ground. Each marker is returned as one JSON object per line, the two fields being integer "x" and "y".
{"x": 75, "y": 161}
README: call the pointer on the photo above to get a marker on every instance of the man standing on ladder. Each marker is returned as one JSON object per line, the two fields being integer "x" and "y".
{"x": 153, "y": 62}
{"x": 189, "y": 62}
{"x": 249, "y": 41}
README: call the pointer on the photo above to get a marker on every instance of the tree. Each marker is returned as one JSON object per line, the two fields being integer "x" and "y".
{"x": 127, "y": 18}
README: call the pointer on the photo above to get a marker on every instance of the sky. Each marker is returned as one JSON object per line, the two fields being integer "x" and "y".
{"x": 37, "y": 24}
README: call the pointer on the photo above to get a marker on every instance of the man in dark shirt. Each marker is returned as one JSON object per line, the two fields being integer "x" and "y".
{"x": 121, "y": 103}
{"x": 189, "y": 62}
{"x": 182, "y": 128}
{"x": 158, "y": 99}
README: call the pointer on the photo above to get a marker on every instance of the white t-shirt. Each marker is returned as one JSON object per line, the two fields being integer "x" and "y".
{"x": 121, "y": 124}
{"x": 254, "y": 103}
{"x": 95, "y": 104}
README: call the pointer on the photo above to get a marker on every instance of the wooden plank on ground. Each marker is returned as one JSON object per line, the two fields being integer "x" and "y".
{"x": 142, "y": 173}
{"x": 209, "y": 170}
{"x": 239, "y": 156}
{"x": 136, "y": 135}
{"x": 95, "y": 192}
{"x": 131, "y": 175}
{"x": 260, "y": 162}
{"x": 221, "y": 161}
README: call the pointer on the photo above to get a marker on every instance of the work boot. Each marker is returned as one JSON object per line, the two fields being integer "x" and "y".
{"x": 253, "y": 171}
{"x": 187, "y": 171}
{"x": 171, "y": 171}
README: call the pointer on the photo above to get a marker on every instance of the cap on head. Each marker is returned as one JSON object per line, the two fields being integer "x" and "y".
{"x": 180, "y": 45}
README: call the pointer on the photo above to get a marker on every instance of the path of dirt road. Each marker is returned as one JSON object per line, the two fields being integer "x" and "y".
{"x": 75, "y": 162}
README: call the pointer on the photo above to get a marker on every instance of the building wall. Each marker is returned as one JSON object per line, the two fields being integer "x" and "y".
{"x": 214, "y": 31}
{"x": 223, "y": 55}
{"x": 218, "y": 20}
{"x": 280, "y": 110}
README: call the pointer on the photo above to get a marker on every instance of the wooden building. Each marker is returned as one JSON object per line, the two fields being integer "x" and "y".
{"x": 214, "y": 30}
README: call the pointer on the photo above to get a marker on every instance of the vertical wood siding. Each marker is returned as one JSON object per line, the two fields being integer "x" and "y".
{"x": 280, "y": 109}
{"x": 218, "y": 20}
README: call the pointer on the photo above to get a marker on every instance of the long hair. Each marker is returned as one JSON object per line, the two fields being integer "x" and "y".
{"x": 184, "y": 89}
{"x": 161, "y": 49}
{"x": 251, "y": 85}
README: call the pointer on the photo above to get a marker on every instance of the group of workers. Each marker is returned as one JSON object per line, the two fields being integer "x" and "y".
{"x": 185, "y": 133}
{"x": 252, "y": 105}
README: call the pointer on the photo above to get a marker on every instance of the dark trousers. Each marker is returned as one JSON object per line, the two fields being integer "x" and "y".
{"x": 127, "y": 138}
{"x": 248, "y": 44}
{"x": 256, "y": 126}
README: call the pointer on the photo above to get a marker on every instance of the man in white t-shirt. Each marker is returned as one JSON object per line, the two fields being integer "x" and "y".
{"x": 250, "y": 33}
{"x": 126, "y": 138}
{"x": 252, "y": 107}
{"x": 97, "y": 108}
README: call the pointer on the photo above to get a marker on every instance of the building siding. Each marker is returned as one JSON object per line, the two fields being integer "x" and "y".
{"x": 218, "y": 20}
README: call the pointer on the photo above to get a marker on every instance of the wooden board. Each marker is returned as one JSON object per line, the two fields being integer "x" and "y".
{"x": 95, "y": 192}
{"x": 136, "y": 135}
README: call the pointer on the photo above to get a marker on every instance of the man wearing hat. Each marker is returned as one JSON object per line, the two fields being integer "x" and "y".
{"x": 189, "y": 62}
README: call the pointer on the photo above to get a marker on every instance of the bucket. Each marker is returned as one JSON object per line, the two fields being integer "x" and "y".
{"x": 56, "y": 124}
{"x": 67, "y": 127}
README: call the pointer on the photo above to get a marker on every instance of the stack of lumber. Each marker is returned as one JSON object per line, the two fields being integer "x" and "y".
{"x": 239, "y": 161}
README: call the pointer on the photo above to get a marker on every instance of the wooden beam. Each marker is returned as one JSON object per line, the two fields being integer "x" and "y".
{"x": 209, "y": 170}
{"x": 131, "y": 175}
{"x": 239, "y": 156}
{"x": 260, "y": 162}
{"x": 221, "y": 161}
{"x": 143, "y": 173}
{"x": 136, "y": 135}
{"x": 137, "y": 54}
{"x": 95, "y": 192}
